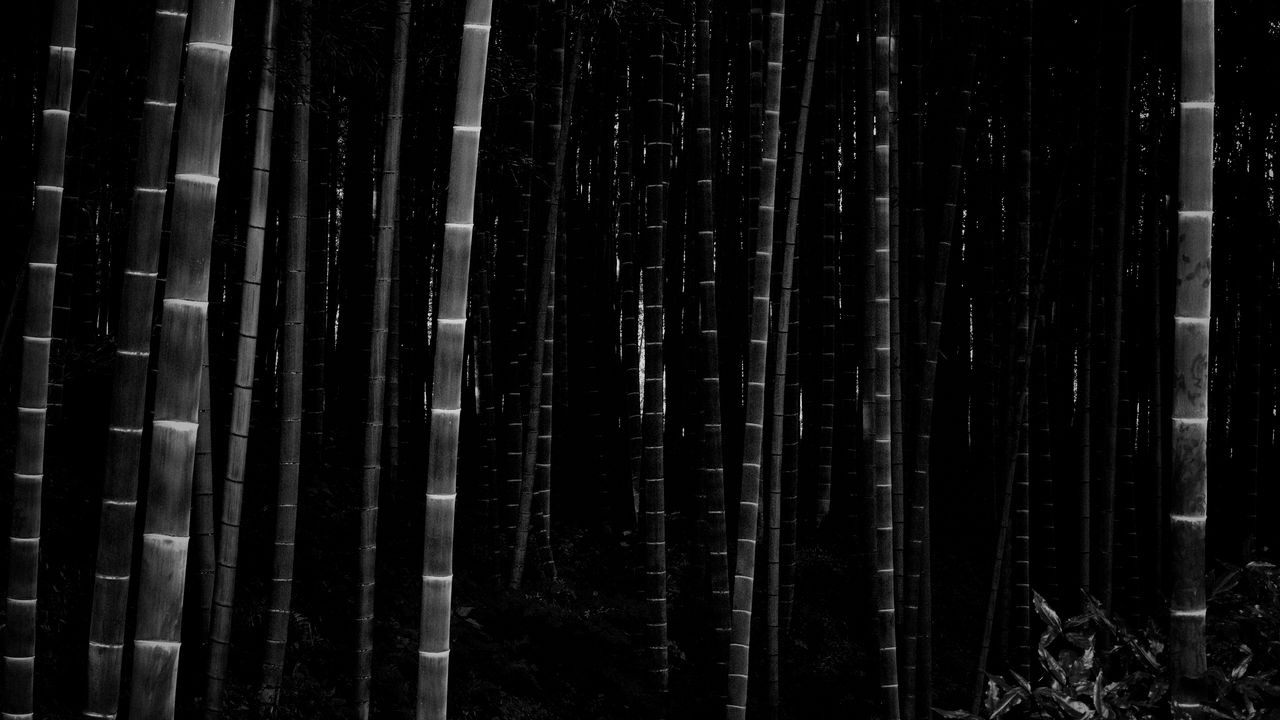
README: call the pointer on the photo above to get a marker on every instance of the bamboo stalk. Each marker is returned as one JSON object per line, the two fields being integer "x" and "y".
{"x": 779, "y": 338}
{"x": 371, "y": 470}
{"x": 753, "y": 440}
{"x": 242, "y": 395}
{"x": 886, "y": 601}
{"x": 1191, "y": 315}
{"x": 157, "y": 637}
{"x": 33, "y": 389}
{"x": 711, "y": 436}
{"x": 446, "y": 401}
{"x": 133, "y": 352}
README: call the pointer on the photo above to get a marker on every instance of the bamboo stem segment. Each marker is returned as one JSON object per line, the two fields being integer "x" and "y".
{"x": 33, "y": 391}
{"x": 184, "y": 315}
{"x": 133, "y": 353}
{"x": 446, "y": 388}
{"x": 242, "y": 394}
{"x": 753, "y": 439}
{"x": 1190, "y": 412}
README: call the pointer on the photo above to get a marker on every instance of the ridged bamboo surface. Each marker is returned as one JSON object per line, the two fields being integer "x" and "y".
{"x": 446, "y": 393}
{"x": 184, "y": 316}
{"x": 33, "y": 389}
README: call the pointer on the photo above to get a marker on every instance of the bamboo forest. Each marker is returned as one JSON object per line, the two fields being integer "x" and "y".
{"x": 867, "y": 352}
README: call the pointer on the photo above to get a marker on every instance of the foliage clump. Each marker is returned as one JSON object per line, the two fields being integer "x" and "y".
{"x": 1094, "y": 666}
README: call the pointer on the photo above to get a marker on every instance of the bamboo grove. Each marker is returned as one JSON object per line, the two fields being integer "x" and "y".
{"x": 836, "y": 332}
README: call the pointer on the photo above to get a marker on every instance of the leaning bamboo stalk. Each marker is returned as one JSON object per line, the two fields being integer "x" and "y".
{"x": 388, "y": 196}
{"x": 779, "y": 345}
{"x": 929, "y": 364}
{"x": 291, "y": 368}
{"x": 1191, "y": 314}
{"x": 133, "y": 352}
{"x": 33, "y": 390}
{"x": 553, "y": 345}
{"x": 543, "y": 338}
{"x": 202, "y": 506}
{"x": 242, "y": 393}
{"x": 446, "y": 388}
{"x": 158, "y": 636}
{"x": 753, "y": 438}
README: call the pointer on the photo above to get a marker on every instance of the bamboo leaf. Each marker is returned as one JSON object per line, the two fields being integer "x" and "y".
{"x": 1054, "y": 669}
{"x": 1051, "y": 620}
{"x": 1022, "y": 682}
{"x": 1008, "y": 702}
{"x": 1238, "y": 671}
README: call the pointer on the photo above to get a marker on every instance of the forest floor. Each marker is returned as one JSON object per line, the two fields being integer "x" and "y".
{"x": 571, "y": 649}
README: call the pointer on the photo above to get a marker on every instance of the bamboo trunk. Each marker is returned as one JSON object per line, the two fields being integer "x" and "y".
{"x": 781, "y": 324}
{"x": 1021, "y": 576}
{"x": 291, "y": 368}
{"x": 711, "y": 459}
{"x": 133, "y": 353}
{"x": 446, "y": 401}
{"x": 33, "y": 390}
{"x": 1191, "y": 316}
{"x": 543, "y": 339}
{"x": 157, "y": 637}
{"x": 753, "y": 443}
{"x": 202, "y": 509}
{"x": 1111, "y": 390}
{"x": 652, "y": 463}
{"x": 370, "y": 476}
{"x": 882, "y": 454}
{"x": 972, "y": 24}
{"x": 242, "y": 395}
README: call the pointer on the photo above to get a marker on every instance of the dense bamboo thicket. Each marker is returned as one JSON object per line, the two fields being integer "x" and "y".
{"x": 866, "y": 351}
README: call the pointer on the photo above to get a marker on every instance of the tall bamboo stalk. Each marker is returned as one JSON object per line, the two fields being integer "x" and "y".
{"x": 753, "y": 440}
{"x": 628, "y": 288}
{"x": 711, "y": 457}
{"x": 971, "y": 24}
{"x": 1188, "y": 511}
{"x": 202, "y": 509}
{"x": 133, "y": 353}
{"x": 553, "y": 347}
{"x": 158, "y": 636}
{"x": 291, "y": 366}
{"x": 779, "y": 337}
{"x": 446, "y": 388}
{"x": 652, "y": 279}
{"x": 829, "y": 278}
{"x": 370, "y": 476}
{"x": 33, "y": 390}
{"x": 543, "y": 339}
{"x": 1115, "y": 292}
{"x": 882, "y": 453}
{"x": 1021, "y": 575}
{"x": 1042, "y": 471}
{"x": 242, "y": 395}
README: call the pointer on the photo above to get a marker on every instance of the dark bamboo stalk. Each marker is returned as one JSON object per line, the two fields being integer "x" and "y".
{"x": 242, "y": 395}
{"x": 371, "y": 472}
